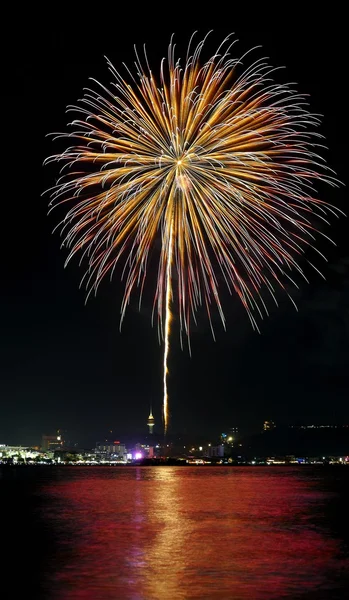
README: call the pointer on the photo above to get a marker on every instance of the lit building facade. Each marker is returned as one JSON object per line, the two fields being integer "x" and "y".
{"x": 111, "y": 451}
{"x": 215, "y": 451}
{"x": 52, "y": 442}
{"x": 17, "y": 452}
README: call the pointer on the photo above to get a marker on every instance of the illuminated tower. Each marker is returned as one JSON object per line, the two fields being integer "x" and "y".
{"x": 150, "y": 421}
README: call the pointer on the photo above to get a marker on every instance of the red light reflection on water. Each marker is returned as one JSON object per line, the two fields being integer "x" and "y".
{"x": 198, "y": 533}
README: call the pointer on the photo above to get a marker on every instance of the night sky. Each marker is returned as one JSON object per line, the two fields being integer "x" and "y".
{"x": 66, "y": 365}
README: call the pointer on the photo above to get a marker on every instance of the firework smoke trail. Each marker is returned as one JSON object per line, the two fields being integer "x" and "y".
{"x": 217, "y": 162}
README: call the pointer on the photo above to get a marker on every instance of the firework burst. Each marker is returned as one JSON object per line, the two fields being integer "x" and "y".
{"x": 215, "y": 161}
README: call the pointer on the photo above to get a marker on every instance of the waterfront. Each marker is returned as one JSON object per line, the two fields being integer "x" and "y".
{"x": 168, "y": 533}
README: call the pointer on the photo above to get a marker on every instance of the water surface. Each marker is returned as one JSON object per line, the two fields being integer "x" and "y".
{"x": 181, "y": 533}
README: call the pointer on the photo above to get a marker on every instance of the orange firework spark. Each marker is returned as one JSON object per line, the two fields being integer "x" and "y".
{"x": 219, "y": 165}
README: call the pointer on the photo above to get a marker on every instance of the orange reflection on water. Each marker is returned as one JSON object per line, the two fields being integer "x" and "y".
{"x": 190, "y": 533}
{"x": 164, "y": 569}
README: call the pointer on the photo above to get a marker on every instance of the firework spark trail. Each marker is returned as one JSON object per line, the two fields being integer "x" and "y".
{"x": 219, "y": 164}
{"x": 168, "y": 317}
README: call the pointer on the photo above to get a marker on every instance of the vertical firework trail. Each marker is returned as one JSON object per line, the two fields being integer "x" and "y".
{"x": 216, "y": 161}
{"x": 168, "y": 317}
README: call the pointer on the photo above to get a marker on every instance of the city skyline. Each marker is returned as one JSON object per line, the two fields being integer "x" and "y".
{"x": 64, "y": 362}
{"x": 227, "y": 434}
{"x": 272, "y": 445}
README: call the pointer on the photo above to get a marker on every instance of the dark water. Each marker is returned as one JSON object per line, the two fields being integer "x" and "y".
{"x": 168, "y": 533}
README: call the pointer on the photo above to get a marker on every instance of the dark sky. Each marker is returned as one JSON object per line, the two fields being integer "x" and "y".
{"x": 65, "y": 364}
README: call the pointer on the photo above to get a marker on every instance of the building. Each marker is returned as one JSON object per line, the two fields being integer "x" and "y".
{"x": 21, "y": 452}
{"x": 268, "y": 425}
{"x": 215, "y": 451}
{"x": 52, "y": 442}
{"x": 111, "y": 451}
{"x": 150, "y": 421}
